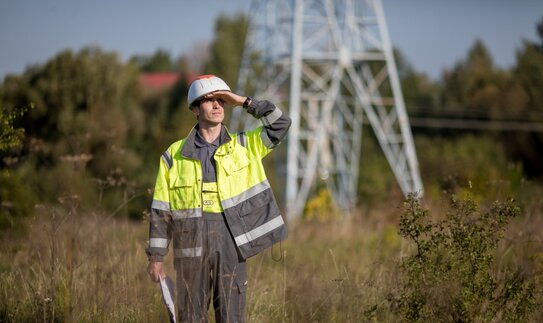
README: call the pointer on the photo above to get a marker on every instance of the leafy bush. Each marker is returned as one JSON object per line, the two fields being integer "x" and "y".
{"x": 452, "y": 275}
{"x": 10, "y": 136}
{"x": 16, "y": 200}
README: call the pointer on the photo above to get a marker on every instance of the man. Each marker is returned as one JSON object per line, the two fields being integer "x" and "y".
{"x": 213, "y": 200}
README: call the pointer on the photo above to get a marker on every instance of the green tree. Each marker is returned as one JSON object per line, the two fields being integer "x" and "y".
{"x": 528, "y": 78}
{"x": 16, "y": 200}
{"x": 227, "y": 47}
{"x": 420, "y": 93}
{"x": 476, "y": 89}
{"x": 167, "y": 119}
{"x": 160, "y": 61}
{"x": 474, "y": 84}
{"x": 10, "y": 135}
{"x": 86, "y": 116}
{"x": 529, "y": 71}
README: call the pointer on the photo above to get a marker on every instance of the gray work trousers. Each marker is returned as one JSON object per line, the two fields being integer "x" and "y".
{"x": 219, "y": 274}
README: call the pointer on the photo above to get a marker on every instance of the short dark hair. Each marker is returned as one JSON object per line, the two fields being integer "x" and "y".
{"x": 195, "y": 104}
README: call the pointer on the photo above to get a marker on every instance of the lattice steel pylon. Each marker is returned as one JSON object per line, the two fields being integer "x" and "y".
{"x": 329, "y": 63}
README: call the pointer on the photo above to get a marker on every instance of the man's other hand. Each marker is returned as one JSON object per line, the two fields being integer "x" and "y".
{"x": 156, "y": 271}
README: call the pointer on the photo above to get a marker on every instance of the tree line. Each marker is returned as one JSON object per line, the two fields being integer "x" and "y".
{"x": 82, "y": 117}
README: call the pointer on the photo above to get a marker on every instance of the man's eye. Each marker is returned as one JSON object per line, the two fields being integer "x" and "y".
{"x": 207, "y": 100}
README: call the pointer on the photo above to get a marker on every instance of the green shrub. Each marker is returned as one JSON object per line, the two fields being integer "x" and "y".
{"x": 16, "y": 200}
{"x": 452, "y": 274}
{"x": 448, "y": 165}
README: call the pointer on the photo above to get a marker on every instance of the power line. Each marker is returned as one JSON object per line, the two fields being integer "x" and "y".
{"x": 530, "y": 113}
{"x": 471, "y": 124}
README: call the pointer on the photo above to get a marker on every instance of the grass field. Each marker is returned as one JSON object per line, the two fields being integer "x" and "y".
{"x": 71, "y": 265}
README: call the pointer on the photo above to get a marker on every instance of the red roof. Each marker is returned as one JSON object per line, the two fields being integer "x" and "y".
{"x": 192, "y": 76}
{"x": 158, "y": 81}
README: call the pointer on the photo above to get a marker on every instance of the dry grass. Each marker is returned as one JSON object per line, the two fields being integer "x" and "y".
{"x": 335, "y": 271}
{"x": 78, "y": 266}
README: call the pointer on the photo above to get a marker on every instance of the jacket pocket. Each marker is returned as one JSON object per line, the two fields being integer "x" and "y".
{"x": 255, "y": 205}
{"x": 183, "y": 193}
{"x": 235, "y": 162}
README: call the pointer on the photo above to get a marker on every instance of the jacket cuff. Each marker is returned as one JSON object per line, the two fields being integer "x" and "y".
{"x": 156, "y": 258}
{"x": 251, "y": 108}
{"x": 259, "y": 108}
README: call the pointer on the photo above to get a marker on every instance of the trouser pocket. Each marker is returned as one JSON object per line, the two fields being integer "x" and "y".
{"x": 242, "y": 296}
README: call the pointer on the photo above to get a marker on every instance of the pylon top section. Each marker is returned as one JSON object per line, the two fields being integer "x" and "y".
{"x": 329, "y": 63}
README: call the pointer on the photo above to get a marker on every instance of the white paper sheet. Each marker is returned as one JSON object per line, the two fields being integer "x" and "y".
{"x": 168, "y": 295}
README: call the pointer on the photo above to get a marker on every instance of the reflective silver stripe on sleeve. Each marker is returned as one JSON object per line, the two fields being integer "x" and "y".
{"x": 266, "y": 140}
{"x": 158, "y": 243}
{"x": 187, "y": 213}
{"x": 188, "y": 252}
{"x": 258, "y": 188}
{"x": 272, "y": 117}
{"x": 242, "y": 139}
{"x": 160, "y": 205}
{"x": 259, "y": 231}
{"x": 167, "y": 159}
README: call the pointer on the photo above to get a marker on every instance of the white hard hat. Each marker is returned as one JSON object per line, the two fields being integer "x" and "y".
{"x": 205, "y": 84}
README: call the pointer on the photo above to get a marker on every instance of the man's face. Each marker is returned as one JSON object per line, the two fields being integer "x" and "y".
{"x": 210, "y": 112}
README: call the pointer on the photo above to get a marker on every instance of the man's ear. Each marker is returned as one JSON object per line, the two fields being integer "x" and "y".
{"x": 196, "y": 111}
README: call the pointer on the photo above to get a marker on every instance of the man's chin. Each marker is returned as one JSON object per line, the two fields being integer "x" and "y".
{"x": 215, "y": 122}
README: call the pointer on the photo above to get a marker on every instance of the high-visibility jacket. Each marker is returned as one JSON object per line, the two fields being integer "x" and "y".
{"x": 245, "y": 195}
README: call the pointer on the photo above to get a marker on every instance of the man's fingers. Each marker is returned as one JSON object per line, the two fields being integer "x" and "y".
{"x": 218, "y": 94}
{"x": 152, "y": 275}
{"x": 155, "y": 277}
{"x": 155, "y": 271}
{"x": 227, "y": 96}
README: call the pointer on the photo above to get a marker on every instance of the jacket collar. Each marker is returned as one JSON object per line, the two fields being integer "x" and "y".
{"x": 188, "y": 150}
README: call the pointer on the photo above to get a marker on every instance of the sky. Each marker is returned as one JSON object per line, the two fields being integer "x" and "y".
{"x": 432, "y": 35}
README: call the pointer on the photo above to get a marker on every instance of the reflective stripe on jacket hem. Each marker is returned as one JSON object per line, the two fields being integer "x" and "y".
{"x": 176, "y": 214}
{"x": 160, "y": 205}
{"x": 244, "y": 196}
{"x": 188, "y": 252}
{"x": 187, "y": 213}
{"x": 158, "y": 243}
{"x": 259, "y": 231}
